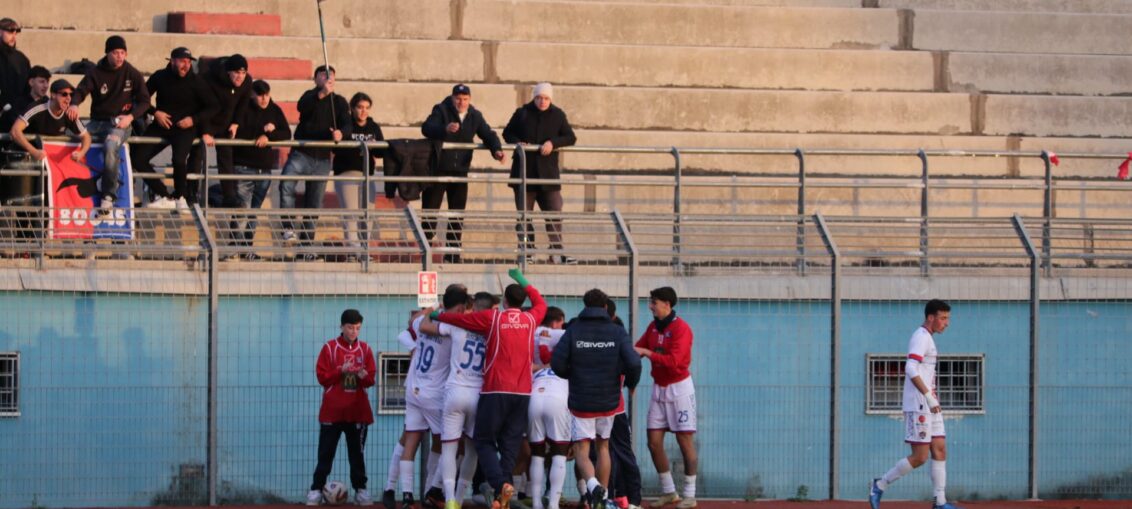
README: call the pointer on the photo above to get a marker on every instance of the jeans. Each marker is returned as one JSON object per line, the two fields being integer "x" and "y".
{"x": 251, "y": 194}
{"x": 457, "y": 200}
{"x": 548, "y": 201}
{"x": 114, "y": 138}
{"x": 354, "y": 229}
{"x": 299, "y": 163}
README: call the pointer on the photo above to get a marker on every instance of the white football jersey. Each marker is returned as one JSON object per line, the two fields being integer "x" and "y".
{"x": 545, "y": 382}
{"x": 921, "y": 348}
{"x": 430, "y": 365}
{"x": 467, "y": 358}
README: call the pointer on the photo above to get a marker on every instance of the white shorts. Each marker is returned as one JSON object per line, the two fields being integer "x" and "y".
{"x": 922, "y": 427}
{"x": 549, "y": 419}
{"x": 588, "y": 428}
{"x": 423, "y": 415}
{"x": 459, "y": 413}
{"x": 673, "y": 407}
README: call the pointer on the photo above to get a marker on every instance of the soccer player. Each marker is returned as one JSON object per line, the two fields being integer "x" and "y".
{"x": 549, "y": 428}
{"x": 424, "y": 400}
{"x": 595, "y": 355}
{"x": 923, "y": 419}
{"x": 667, "y": 343}
{"x": 501, "y": 413}
{"x": 345, "y": 368}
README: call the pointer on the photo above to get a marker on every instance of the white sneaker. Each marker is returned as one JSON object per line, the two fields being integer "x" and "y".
{"x": 106, "y": 205}
{"x": 362, "y": 498}
{"x": 314, "y": 497}
{"x": 181, "y": 204}
{"x": 162, "y": 202}
{"x": 288, "y": 235}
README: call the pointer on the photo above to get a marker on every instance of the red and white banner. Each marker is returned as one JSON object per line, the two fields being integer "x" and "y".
{"x": 73, "y": 190}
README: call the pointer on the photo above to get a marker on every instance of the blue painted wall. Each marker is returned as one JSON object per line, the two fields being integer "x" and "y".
{"x": 113, "y": 394}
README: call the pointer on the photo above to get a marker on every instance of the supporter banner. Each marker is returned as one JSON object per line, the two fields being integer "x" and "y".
{"x": 74, "y": 194}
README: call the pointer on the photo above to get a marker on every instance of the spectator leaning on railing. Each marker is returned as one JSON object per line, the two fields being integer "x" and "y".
{"x": 184, "y": 106}
{"x": 455, "y": 120}
{"x": 540, "y": 123}
{"x": 348, "y": 162}
{"x": 231, "y": 86}
{"x": 118, "y": 96}
{"x": 262, "y": 121}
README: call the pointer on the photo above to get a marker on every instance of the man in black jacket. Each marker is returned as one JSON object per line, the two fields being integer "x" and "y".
{"x": 263, "y": 121}
{"x": 38, "y": 79}
{"x": 184, "y": 105}
{"x": 455, "y": 120}
{"x": 594, "y": 354}
{"x": 323, "y": 116}
{"x": 545, "y": 125}
{"x": 14, "y": 65}
{"x": 118, "y": 96}
{"x": 231, "y": 86}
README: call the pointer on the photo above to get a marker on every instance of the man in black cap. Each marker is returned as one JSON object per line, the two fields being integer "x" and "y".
{"x": 183, "y": 106}
{"x": 231, "y": 86}
{"x": 38, "y": 79}
{"x": 455, "y": 120}
{"x": 118, "y": 96}
{"x": 323, "y": 116}
{"x": 14, "y": 65}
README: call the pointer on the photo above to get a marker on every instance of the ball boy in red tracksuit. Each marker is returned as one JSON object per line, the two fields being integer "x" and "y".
{"x": 345, "y": 368}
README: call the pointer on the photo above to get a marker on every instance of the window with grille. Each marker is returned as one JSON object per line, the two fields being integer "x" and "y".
{"x": 9, "y": 384}
{"x": 393, "y": 369}
{"x": 959, "y": 383}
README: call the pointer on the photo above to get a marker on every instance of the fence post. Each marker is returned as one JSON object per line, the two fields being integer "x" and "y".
{"x": 634, "y": 289}
{"x": 208, "y": 242}
{"x": 1035, "y": 322}
{"x": 676, "y": 199}
{"x": 834, "y": 355}
{"x": 422, "y": 240}
{"x": 925, "y": 264}
{"x": 364, "y": 232}
{"x": 524, "y": 234}
{"x": 202, "y": 195}
{"x": 1047, "y": 216}
{"x": 801, "y": 211}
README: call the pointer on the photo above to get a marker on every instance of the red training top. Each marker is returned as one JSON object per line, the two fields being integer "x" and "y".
{"x": 671, "y": 351}
{"x": 510, "y": 337}
{"x": 344, "y": 396}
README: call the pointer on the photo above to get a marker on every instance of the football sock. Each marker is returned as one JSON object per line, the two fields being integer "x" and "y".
{"x": 689, "y": 486}
{"x": 538, "y": 481}
{"x": 557, "y": 479}
{"x": 899, "y": 470}
{"x": 939, "y": 481}
{"x": 394, "y": 467}
{"x": 667, "y": 485}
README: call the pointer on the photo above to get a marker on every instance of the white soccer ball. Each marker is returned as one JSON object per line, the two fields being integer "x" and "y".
{"x": 335, "y": 493}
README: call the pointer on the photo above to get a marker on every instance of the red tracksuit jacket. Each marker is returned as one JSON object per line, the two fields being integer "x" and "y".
{"x": 344, "y": 397}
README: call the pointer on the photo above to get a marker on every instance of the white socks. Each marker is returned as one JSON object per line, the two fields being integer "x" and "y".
{"x": 591, "y": 483}
{"x": 433, "y": 480}
{"x": 689, "y": 486}
{"x": 394, "y": 467}
{"x": 406, "y": 477}
{"x": 901, "y": 469}
{"x": 939, "y": 481}
{"x": 667, "y": 485}
{"x": 557, "y": 479}
{"x": 467, "y": 470}
{"x": 448, "y": 468}
{"x": 519, "y": 482}
{"x": 538, "y": 478}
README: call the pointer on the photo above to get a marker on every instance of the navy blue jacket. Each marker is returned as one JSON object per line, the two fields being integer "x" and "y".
{"x": 435, "y": 127}
{"x": 593, "y": 355}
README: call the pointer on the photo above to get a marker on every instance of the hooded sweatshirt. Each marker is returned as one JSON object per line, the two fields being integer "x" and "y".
{"x": 113, "y": 92}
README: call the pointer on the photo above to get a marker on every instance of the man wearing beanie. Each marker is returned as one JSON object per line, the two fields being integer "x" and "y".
{"x": 231, "y": 86}
{"x": 118, "y": 96}
{"x": 14, "y": 65}
{"x": 184, "y": 105}
{"x": 545, "y": 125}
{"x": 455, "y": 120}
{"x": 345, "y": 368}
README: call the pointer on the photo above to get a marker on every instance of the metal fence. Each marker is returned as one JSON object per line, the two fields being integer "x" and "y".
{"x": 175, "y": 368}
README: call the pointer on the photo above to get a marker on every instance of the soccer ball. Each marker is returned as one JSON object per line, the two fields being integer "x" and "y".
{"x": 335, "y": 493}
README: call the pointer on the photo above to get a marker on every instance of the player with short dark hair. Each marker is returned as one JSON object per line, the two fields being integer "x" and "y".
{"x": 667, "y": 343}
{"x": 345, "y": 368}
{"x": 923, "y": 416}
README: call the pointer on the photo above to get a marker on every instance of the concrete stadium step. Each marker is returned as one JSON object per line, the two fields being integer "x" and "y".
{"x": 223, "y": 23}
{"x": 269, "y": 68}
{"x": 453, "y": 61}
{"x": 1021, "y": 32}
{"x": 687, "y": 66}
{"x": 679, "y": 25}
{"x": 1037, "y": 73}
{"x": 1080, "y": 6}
